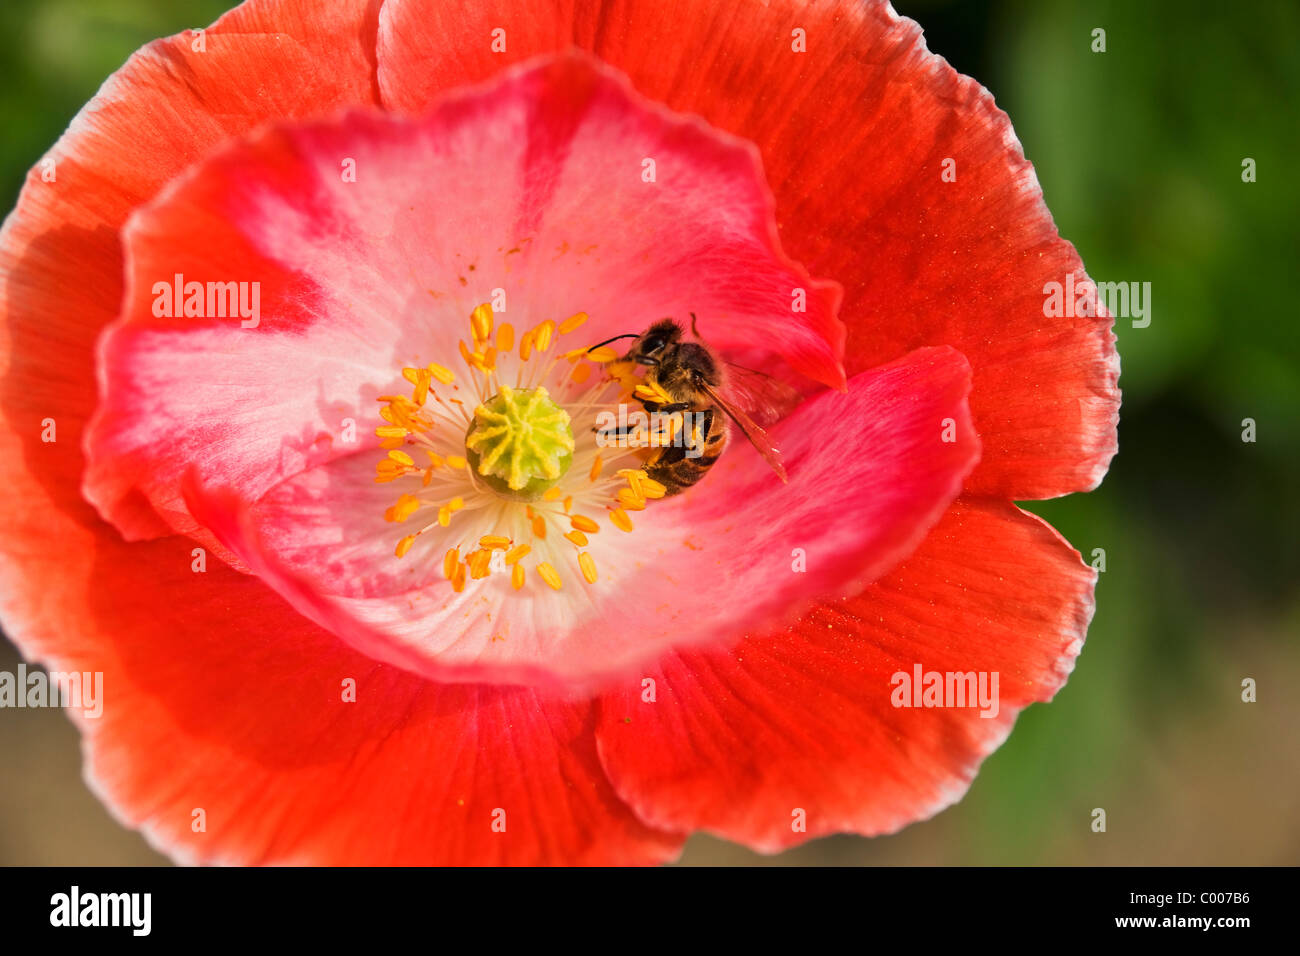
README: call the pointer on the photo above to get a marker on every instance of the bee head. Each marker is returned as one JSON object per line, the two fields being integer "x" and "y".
{"x": 651, "y": 344}
{"x": 654, "y": 341}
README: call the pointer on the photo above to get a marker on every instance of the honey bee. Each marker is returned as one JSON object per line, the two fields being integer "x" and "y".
{"x": 692, "y": 376}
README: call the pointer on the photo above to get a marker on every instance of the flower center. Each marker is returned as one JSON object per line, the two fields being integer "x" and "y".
{"x": 522, "y": 479}
{"x": 521, "y": 442}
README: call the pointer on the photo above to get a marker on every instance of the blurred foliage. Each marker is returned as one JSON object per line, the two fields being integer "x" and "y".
{"x": 55, "y": 54}
{"x": 1139, "y": 153}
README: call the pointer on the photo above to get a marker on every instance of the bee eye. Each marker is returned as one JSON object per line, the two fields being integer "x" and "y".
{"x": 653, "y": 345}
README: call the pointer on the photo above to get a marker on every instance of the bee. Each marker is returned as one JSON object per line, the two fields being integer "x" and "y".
{"x": 692, "y": 376}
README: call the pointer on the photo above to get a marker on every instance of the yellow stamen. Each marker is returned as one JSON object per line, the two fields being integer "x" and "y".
{"x": 572, "y": 322}
{"x": 404, "y": 545}
{"x": 494, "y": 542}
{"x": 443, "y": 374}
{"x": 480, "y": 321}
{"x": 517, "y": 576}
{"x": 455, "y": 461}
{"x": 505, "y": 337}
{"x": 391, "y": 431}
{"x": 550, "y": 575}
{"x": 577, "y": 537}
{"x": 628, "y": 499}
{"x": 652, "y": 488}
{"x": 480, "y": 564}
{"x": 544, "y": 333}
{"x": 603, "y": 354}
{"x": 517, "y": 552}
{"x": 634, "y": 476}
{"x": 539, "y": 526}
{"x": 450, "y": 561}
{"x": 421, "y": 393}
{"x": 406, "y": 506}
{"x": 588, "y": 565}
{"x": 652, "y": 390}
{"x": 583, "y": 523}
{"x": 581, "y": 374}
{"x": 401, "y": 457}
{"x": 595, "y": 467}
{"x": 620, "y": 519}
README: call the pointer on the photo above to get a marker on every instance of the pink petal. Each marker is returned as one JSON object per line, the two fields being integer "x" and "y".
{"x": 532, "y": 185}
{"x": 60, "y": 252}
{"x": 870, "y": 471}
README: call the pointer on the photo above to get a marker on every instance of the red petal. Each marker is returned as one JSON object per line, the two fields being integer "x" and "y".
{"x": 740, "y": 738}
{"x": 853, "y": 134}
{"x": 219, "y": 697}
{"x": 59, "y": 250}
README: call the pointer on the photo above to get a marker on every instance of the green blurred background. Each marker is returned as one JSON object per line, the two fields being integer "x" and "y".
{"x": 1139, "y": 153}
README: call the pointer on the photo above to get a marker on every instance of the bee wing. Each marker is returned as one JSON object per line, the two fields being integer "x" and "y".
{"x": 765, "y": 398}
{"x": 757, "y": 437}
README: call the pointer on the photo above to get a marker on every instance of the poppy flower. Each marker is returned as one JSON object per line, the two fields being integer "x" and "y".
{"x": 304, "y": 445}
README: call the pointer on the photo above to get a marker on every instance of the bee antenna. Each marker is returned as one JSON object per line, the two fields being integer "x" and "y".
{"x": 628, "y": 335}
{"x": 694, "y": 330}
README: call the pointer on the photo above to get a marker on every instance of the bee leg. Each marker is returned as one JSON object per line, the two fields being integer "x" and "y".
{"x": 694, "y": 450}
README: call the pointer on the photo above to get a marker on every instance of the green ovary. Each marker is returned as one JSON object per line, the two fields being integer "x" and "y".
{"x": 520, "y": 443}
